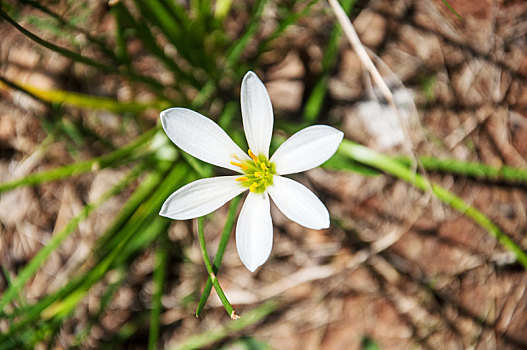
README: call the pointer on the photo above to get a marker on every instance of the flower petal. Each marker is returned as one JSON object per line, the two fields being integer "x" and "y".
{"x": 201, "y": 197}
{"x": 254, "y": 231}
{"x": 257, "y": 113}
{"x": 307, "y": 149}
{"x": 298, "y": 203}
{"x": 200, "y": 137}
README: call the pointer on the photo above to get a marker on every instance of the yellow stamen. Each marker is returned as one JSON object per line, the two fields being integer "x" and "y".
{"x": 253, "y": 187}
{"x": 235, "y": 156}
{"x": 253, "y": 157}
{"x": 263, "y": 166}
{"x": 257, "y": 174}
{"x": 240, "y": 165}
{"x": 242, "y": 178}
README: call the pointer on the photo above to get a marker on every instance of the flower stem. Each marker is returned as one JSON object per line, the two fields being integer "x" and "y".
{"x": 225, "y": 235}
{"x": 212, "y": 276}
{"x": 209, "y": 337}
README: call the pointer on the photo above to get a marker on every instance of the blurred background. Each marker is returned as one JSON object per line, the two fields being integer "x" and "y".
{"x": 84, "y": 169}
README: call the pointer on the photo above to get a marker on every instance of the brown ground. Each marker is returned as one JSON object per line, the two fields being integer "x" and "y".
{"x": 396, "y": 266}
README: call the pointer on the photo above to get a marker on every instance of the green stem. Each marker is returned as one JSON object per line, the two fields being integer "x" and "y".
{"x": 200, "y": 341}
{"x": 212, "y": 276}
{"x": 395, "y": 168}
{"x": 225, "y": 235}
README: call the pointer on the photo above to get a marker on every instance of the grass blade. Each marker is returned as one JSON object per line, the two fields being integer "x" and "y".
{"x": 388, "y": 165}
{"x": 159, "y": 281}
{"x": 68, "y": 25}
{"x": 31, "y": 268}
{"x": 472, "y": 169}
{"x": 316, "y": 99}
{"x": 448, "y": 165}
{"x": 76, "y": 56}
{"x": 236, "y": 50}
{"x": 62, "y": 51}
{"x": 60, "y": 304}
{"x": 447, "y": 4}
{"x": 150, "y": 42}
{"x": 106, "y": 298}
{"x": 88, "y": 101}
{"x": 115, "y": 158}
{"x": 283, "y": 24}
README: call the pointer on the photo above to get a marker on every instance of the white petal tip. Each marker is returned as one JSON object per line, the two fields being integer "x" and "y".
{"x": 298, "y": 203}
{"x": 326, "y": 223}
{"x": 307, "y": 149}
{"x": 249, "y": 74}
{"x": 315, "y": 226}
{"x": 253, "y": 265}
{"x": 252, "y": 268}
{"x": 323, "y": 227}
{"x": 163, "y": 212}
{"x": 164, "y": 114}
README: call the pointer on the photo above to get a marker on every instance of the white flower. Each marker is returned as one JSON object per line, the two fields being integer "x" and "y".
{"x": 205, "y": 140}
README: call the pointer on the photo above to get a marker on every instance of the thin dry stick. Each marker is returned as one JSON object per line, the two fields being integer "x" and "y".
{"x": 353, "y": 38}
{"x": 356, "y": 44}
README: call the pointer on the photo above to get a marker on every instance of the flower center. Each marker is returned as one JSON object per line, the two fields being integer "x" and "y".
{"x": 258, "y": 172}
